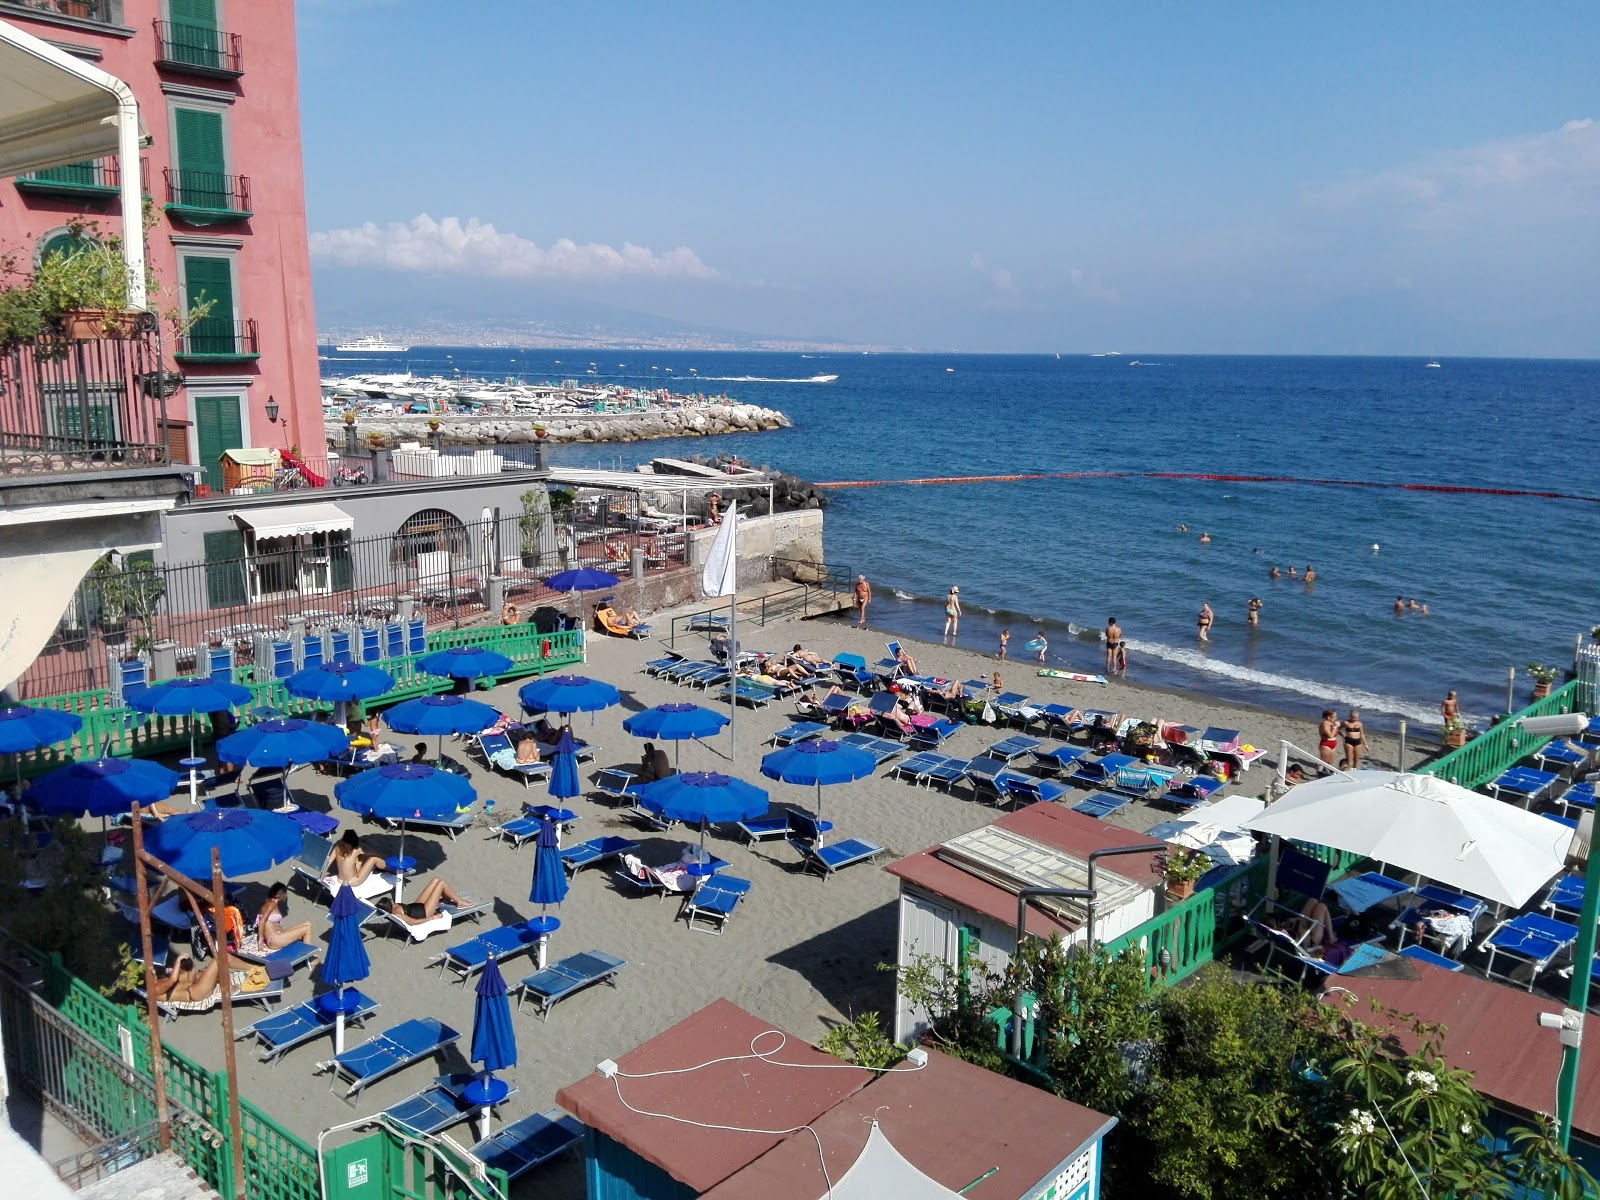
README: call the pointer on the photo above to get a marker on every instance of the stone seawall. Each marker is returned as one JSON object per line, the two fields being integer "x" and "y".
{"x": 494, "y": 429}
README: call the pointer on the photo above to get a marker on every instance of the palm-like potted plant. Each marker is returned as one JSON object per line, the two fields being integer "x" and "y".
{"x": 1181, "y": 869}
{"x": 1455, "y": 732}
{"x": 1543, "y": 676}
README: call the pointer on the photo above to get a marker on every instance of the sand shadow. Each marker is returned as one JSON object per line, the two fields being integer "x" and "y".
{"x": 841, "y": 963}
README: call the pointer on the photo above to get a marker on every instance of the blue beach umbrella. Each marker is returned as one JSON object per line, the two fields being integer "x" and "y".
{"x": 465, "y": 662}
{"x": 440, "y": 715}
{"x": 347, "y": 960}
{"x": 282, "y": 743}
{"x": 818, "y": 761}
{"x": 338, "y": 682}
{"x": 250, "y": 840}
{"x": 494, "y": 1041}
{"x": 24, "y": 728}
{"x": 564, "y": 783}
{"x": 568, "y": 694}
{"x": 549, "y": 875}
{"x": 675, "y": 723}
{"x": 401, "y": 791}
{"x": 101, "y": 787}
{"x": 187, "y": 696}
{"x": 706, "y": 797}
{"x": 581, "y": 580}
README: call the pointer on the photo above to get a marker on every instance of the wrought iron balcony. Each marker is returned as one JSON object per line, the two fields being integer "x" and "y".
{"x": 71, "y": 405}
{"x": 206, "y": 197}
{"x": 217, "y": 341}
{"x": 199, "y": 50}
{"x": 97, "y": 179}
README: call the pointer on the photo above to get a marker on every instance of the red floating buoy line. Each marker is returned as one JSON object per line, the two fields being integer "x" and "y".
{"x": 1213, "y": 478}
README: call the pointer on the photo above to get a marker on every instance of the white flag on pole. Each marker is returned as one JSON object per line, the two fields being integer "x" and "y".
{"x": 721, "y": 570}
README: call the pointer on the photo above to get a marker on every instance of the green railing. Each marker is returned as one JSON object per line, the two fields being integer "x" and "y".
{"x": 1497, "y": 749}
{"x": 129, "y": 733}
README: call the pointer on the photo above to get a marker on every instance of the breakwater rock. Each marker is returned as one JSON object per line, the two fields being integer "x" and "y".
{"x": 493, "y": 429}
{"x": 788, "y": 491}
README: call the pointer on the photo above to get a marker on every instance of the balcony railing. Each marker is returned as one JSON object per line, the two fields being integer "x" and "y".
{"x": 219, "y": 341}
{"x": 199, "y": 50}
{"x": 206, "y": 197}
{"x": 97, "y": 178}
{"x": 81, "y": 405}
{"x": 107, "y": 12}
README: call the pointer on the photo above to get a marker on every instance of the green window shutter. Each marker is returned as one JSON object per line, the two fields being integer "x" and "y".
{"x": 202, "y": 14}
{"x": 82, "y": 174}
{"x": 61, "y": 243}
{"x": 192, "y": 36}
{"x": 210, "y": 279}
{"x": 202, "y": 163}
{"x": 225, "y": 568}
{"x": 339, "y": 559}
{"x": 217, "y": 428}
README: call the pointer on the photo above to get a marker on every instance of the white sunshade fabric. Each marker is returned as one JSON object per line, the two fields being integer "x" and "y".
{"x": 54, "y": 108}
{"x": 295, "y": 519}
{"x": 1437, "y": 829}
{"x": 881, "y": 1171}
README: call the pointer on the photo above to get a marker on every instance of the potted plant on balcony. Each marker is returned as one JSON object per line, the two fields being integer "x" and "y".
{"x": 1455, "y": 732}
{"x": 349, "y": 416}
{"x": 1543, "y": 677}
{"x": 1181, "y": 869}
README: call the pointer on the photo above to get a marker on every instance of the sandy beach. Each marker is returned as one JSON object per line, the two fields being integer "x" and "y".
{"x": 801, "y": 951}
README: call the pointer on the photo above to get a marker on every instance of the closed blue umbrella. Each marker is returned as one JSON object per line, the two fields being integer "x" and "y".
{"x": 549, "y": 876}
{"x": 568, "y": 694}
{"x": 707, "y": 797}
{"x": 339, "y": 682}
{"x": 441, "y": 715}
{"x": 818, "y": 761}
{"x": 398, "y": 791}
{"x": 250, "y": 840}
{"x": 101, "y": 787}
{"x": 465, "y": 662}
{"x": 346, "y": 961}
{"x": 187, "y": 696}
{"x": 564, "y": 783}
{"x": 494, "y": 1040}
{"x": 581, "y": 580}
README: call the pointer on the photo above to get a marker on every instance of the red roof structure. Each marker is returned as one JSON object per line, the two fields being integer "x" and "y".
{"x": 951, "y": 1120}
{"x": 1051, "y": 825}
{"x": 1493, "y": 1032}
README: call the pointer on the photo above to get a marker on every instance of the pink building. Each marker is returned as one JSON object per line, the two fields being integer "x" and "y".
{"x": 216, "y": 82}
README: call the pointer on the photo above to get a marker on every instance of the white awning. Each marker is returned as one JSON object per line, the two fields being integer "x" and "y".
{"x": 294, "y": 519}
{"x": 54, "y": 108}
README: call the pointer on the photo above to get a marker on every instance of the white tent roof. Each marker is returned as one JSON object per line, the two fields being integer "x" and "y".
{"x": 634, "y": 481}
{"x": 54, "y": 108}
{"x": 294, "y": 519}
{"x": 1443, "y": 832}
{"x": 881, "y": 1171}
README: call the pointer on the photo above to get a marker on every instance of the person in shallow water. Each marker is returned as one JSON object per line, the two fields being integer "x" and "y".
{"x": 1204, "y": 621}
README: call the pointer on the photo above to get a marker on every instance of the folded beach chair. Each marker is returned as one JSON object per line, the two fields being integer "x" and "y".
{"x": 528, "y": 1142}
{"x": 491, "y": 744}
{"x": 800, "y": 731}
{"x": 1192, "y": 791}
{"x": 917, "y": 766}
{"x": 714, "y": 902}
{"x": 1056, "y": 761}
{"x": 1560, "y": 755}
{"x": 1531, "y": 938}
{"x": 570, "y": 975}
{"x": 831, "y": 859}
{"x": 438, "y": 1106}
{"x": 948, "y": 773}
{"x": 1026, "y": 789}
{"x": 881, "y": 749}
{"x": 594, "y": 852}
{"x": 280, "y": 1032}
{"x": 1579, "y": 795}
{"x": 466, "y": 958}
{"x": 1100, "y": 773}
{"x": 385, "y": 1053}
{"x": 932, "y": 736}
{"x": 1523, "y": 784}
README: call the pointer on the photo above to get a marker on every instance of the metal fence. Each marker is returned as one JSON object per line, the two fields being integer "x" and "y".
{"x": 436, "y": 567}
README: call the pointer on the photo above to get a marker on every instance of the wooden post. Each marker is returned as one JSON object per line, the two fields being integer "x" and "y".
{"x": 152, "y": 1011}
{"x": 230, "y": 1062}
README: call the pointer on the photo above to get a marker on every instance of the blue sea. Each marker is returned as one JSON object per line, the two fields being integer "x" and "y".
{"x": 1507, "y": 580}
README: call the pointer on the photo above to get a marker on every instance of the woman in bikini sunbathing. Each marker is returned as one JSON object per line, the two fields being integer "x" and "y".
{"x": 426, "y": 906}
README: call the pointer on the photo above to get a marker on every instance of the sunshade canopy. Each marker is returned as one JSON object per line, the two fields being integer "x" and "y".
{"x": 294, "y": 519}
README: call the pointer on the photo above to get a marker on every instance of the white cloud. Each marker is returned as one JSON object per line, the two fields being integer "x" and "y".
{"x": 1092, "y": 285}
{"x": 1002, "y": 280}
{"x": 473, "y": 247}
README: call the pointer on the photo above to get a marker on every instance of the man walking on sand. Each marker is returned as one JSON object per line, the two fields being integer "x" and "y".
{"x": 863, "y": 598}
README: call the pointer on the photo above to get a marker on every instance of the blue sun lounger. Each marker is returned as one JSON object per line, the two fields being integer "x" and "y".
{"x": 851, "y": 671}
{"x": 760, "y": 829}
{"x": 948, "y": 773}
{"x": 594, "y": 852}
{"x": 1058, "y": 720}
{"x": 679, "y": 671}
{"x": 490, "y": 744}
{"x": 1058, "y": 760}
{"x": 1191, "y": 792}
{"x": 1525, "y": 784}
{"x": 528, "y": 1142}
{"x": 800, "y": 731}
{"x": 714, "y": 902}
{"x": 438, "y": 1106}
{"x": 518, "y": 831}
{"x": 280, "y": 1032}
{"x": 1531, "y": 938}
{"x": 1565, "y": 895}
{"x": 1102, "y": 804}
{"x": 1423, "y": 955}
{"x": 466, "y": 958}
{"x": 1559, "y": 755}
{"x": 1431, "y": 898}
{"x": 614, "y": 784}
{"x": 650, "y": 884}
{"x": 385, "y": 1053}
{"x": 749, "y": 691}
{"x": 916, "y": 767}
{"x": 569, "y": 976}
{"x": 668, "y": 658}
{"x": 1026, "y": 789}
{"x": 1102, "y": 772}
{"x": 1012, "y": 748}
{"x": 830, "y": 860}
{"x": 931, "y": 737}
{"x": 881, "y": 749}
{"x": 1010, "y": 705}
{"x": 1579, "y": 795}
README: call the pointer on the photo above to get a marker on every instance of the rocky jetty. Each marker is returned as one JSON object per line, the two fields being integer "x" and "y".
{"x": 788, "y": 491}
{"x": 703, "y": 420}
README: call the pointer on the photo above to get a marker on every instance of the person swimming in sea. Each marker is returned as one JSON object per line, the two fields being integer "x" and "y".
{"x": 1254, "y": 610}
{"x": 1204, "y": 537}
{"x": 1204, "y": 621}
{"x": 1311, "y": 575}
{"x": 1294, "y": 573}
{"x": 1183, "y": 528}
{"x": 1399, "y": 606}
{"x": 1274, "y": 573}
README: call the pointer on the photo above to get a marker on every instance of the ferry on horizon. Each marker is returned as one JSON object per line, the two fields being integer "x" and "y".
{"x": 372, "y": 344}
{"x": 1430, "y": 364}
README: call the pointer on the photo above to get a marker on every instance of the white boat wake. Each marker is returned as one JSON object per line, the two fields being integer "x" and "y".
{"x": 764, "y": 379}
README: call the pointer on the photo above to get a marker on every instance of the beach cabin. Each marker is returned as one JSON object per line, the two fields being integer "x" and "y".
{"x": 958, "y": 900}
{"x": 923, "y": 1131}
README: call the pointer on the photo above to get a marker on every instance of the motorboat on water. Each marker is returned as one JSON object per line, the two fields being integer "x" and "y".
{"x": 372, "y": 344}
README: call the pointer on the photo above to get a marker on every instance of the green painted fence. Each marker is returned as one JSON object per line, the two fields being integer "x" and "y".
{"x": 1503, "y": 746}
{"x": 129, "y": 733}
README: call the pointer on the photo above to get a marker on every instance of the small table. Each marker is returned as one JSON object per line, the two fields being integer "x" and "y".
{"x": 483, "y": 1092}
{"x": 400, "y": 866}
{"x": 339, "y": 1002}
{"x": 542, "y": 927}
{"x": 194, "y": 767}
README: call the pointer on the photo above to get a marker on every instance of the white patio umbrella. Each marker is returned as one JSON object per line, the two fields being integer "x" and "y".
{"x": 1441, "y": 831}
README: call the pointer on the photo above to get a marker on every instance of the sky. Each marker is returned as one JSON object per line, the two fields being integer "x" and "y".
{"x": 1362, "y": 178}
